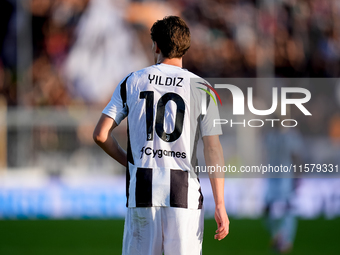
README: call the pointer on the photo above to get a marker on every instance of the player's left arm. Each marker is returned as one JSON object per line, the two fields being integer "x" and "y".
{"x": 213, "y": 154}
{"x": 103, "y": 137}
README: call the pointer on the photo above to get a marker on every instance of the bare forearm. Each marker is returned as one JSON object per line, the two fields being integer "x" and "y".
{"x": 102, "y": 136}
{"x": 113, "y": 149}
{"x": 214, "y": 157}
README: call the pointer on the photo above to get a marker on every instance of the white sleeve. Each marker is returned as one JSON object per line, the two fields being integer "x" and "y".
{"x": 117, "y": 107}
{"x": 207, "y": 121}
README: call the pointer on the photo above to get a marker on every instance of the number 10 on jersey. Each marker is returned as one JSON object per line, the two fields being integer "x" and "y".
{"x": 160, "y": 112}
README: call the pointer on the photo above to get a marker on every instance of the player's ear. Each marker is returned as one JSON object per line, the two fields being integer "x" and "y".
{"x": 156, "y": 48}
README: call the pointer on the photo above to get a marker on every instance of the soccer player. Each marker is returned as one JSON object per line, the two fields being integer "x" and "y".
{"x": 164, "y": 197}
{"x": 283, "y": 147}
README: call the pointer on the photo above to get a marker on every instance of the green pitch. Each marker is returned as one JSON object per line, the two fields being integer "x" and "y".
{"x": 103, "y": 237}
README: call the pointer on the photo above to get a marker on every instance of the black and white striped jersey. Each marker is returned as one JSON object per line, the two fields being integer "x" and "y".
{"x": 164, "y": 123}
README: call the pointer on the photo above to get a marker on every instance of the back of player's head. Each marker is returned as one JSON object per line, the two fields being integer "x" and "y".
{"x": 172, "y": 36}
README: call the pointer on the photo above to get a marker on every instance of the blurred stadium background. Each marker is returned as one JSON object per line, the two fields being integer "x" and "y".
{"x": 61, "y": 60}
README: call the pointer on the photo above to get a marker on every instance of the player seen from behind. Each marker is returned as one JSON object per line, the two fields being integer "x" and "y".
{"x": 164, "y": 197}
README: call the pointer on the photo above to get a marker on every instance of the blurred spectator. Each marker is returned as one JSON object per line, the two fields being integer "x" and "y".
{"x": 334, "y": 129}
{"x": 48, "y": 88}
{"x": 105, "y": 49}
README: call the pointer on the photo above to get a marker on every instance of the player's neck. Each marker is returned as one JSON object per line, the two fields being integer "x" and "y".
{"x": 171, "y": 61}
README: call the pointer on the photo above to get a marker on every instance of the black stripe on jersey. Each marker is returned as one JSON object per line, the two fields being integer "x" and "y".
{"x": 128, "y": 151}
{"x": 143, "y": 187}
{"x": 179, "y": 188}
{"x": 200, "y": 199}
{"x": 123, "y": 96}
{"x": 127, "y": 184}
{"x": 123, "y": 90}
{"x": 194, "y": 161}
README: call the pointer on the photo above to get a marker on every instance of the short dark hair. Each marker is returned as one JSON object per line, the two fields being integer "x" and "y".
{"x": 172, "y": 36}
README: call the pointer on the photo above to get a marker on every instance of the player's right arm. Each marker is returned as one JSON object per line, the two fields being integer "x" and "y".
{"x": 113, "y": 114}
{"x": 102, "y": 136}
{"x": 213, "y": 154}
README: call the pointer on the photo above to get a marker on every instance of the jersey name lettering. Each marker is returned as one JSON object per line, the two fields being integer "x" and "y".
{"x": 166, "y": 81}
